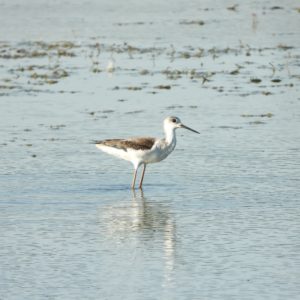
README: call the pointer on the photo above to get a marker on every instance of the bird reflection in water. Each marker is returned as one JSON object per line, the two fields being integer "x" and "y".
{"x": 143, "y": 223}
{"x": 155, "y": 217}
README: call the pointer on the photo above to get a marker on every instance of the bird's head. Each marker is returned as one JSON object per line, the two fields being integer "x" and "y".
{"x": 172, "y": 123}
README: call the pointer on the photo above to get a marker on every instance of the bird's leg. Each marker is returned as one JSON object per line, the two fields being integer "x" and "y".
{"x": 142, "y": 178}
{"x": 134, "y": 177}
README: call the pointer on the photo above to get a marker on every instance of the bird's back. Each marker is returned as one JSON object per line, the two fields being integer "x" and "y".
{"x": 139, "y": 143}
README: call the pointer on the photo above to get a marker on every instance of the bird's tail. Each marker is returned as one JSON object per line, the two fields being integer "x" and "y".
{"x": 95, "y": 142}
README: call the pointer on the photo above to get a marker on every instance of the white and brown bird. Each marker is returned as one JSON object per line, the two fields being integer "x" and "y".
{"x": 144, "y": 150}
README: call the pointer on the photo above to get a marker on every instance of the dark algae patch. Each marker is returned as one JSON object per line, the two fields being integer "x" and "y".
{"x": 192, "y": 22}
{"x": 163, "y": 87}
{"x": 255, "y": 80}
{"x": 267, "y": 115}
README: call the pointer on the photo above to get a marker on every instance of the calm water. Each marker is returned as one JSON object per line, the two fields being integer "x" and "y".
{"x": 219, "y": 219}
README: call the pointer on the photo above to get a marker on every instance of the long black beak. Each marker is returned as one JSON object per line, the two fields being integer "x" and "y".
{"x": 183, "y": 126}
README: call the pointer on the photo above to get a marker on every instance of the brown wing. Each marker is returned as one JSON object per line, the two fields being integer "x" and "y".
{"x": 134, "y": 143}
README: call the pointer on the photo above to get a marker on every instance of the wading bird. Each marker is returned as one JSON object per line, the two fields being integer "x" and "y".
{"x": 144, "y": 150}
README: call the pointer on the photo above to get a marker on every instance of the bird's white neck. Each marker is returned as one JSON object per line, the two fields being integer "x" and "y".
{"x": 170, "y": 135}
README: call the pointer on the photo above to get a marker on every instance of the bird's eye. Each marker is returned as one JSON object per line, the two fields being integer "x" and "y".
{"x": 174, "y": 120}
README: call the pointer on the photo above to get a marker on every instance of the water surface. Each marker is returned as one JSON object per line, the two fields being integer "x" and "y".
{"x": 218, "y": 219}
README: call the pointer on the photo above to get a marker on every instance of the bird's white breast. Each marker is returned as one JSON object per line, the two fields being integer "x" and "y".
{"x": 160, "y": 151}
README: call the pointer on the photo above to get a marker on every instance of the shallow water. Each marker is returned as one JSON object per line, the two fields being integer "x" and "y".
{"x": 218, "y": 219}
